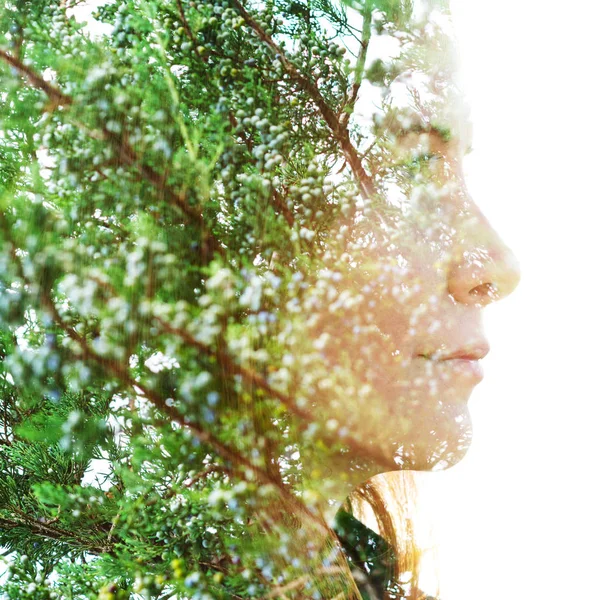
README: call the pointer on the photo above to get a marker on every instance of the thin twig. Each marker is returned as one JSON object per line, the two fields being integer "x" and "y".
{"x": 340, "y": 132}
{"x": 54, "y": 533}
{"x": 57, "y": 96}
{"x": 282, "y": 207}
{"x": 300, "y": 581}
{"x": 360, "y": 62}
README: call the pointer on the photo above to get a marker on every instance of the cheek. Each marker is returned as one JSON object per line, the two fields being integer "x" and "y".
{"x": 410, "y": 307}
{"x": 378, "y": 391}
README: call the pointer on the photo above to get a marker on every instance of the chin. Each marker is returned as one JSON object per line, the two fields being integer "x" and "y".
{"x": 425, "y": 431}
{"x": 438, "y": 442}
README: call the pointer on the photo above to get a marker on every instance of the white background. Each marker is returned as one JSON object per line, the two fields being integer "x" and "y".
{"x": 519, "y": 517}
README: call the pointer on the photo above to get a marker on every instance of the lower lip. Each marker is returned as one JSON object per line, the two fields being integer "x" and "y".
{"x": 465, "y": 367}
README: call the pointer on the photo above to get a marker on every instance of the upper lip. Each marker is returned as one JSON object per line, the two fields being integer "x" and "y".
{"x": 467, "y": 353}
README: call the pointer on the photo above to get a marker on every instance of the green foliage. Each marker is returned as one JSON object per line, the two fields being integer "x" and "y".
{"x": 178, "y": 198}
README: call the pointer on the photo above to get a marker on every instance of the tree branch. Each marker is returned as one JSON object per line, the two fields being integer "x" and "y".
{"x": 120, "y": 372}
{"x": 339, "y": 130}
{"x": 127, "y": 156}
{"x": 53, "y": 533}
{"x": 301, "y": 581}
{"x": 54, "y": 94}
{"x": 253, "y": 378}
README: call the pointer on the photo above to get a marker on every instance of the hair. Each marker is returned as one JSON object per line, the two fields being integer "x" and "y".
{"x": 387, "y": 503}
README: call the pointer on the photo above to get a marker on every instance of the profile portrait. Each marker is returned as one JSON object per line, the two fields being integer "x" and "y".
{"x": 242, "y": 287}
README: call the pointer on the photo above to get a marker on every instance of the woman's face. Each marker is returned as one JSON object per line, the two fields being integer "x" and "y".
{"x": 424, "y": 277}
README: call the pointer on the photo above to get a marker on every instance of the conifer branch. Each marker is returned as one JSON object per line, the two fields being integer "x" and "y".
{"x": 283, "y": 209}
{"x": 56, "y": 96}
{"x": 301, "y": 581}
{"x": 127, "y": 156}
{"x": 53, "y": 533}
{"x": 280, "y": 205}
{"x": 253, "y": 378}
{"x": 337, "y": 127}
{"x": 120, "y": 372}
{"x": 188, "y": 29}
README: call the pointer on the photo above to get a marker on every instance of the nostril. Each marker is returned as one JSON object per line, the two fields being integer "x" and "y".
{"x": 486, "y": 281}
{"x": 485, "y": 290}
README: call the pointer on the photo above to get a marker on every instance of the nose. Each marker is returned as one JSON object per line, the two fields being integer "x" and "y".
{"x": 483, "y": 268}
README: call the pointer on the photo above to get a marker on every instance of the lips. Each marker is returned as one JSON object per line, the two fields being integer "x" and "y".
{"x": 463, "y": 362}
{"x": 471, "y": 353}
{"x": 466, "y": 353}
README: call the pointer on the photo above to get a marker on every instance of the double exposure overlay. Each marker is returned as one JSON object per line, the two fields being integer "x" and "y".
{"x": 240, "y": 275}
